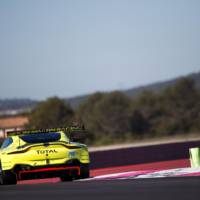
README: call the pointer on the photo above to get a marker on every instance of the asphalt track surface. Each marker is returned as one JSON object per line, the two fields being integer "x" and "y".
{"x": 162, "y": 188}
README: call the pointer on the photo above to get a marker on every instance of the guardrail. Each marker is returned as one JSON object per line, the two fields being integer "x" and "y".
{"x": 145, "y": 154}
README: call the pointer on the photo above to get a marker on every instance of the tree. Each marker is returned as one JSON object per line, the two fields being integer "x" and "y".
{"x": 113, "y": 114}
{"x": 106, "y": 115}
{"x": 138, "y": 124}
{"x": 149, "y": 110}
{"x": 86, "y": 112}
{"x": 181, "y": 103}
{"x": 50, "y": 113}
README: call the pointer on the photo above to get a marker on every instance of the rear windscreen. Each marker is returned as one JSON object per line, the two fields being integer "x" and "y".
{"x": 41, "y": 137}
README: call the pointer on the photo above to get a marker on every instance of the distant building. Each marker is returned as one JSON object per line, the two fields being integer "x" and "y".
{"x": 13, "y": 112}
{"x": 12, "y": 123}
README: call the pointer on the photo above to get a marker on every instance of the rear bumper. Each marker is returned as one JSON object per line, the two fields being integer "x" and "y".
{"x": 48, "y": 172}
{"x": 10, "y": 164}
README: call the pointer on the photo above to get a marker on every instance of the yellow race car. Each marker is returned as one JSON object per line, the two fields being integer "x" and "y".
{"x": 45, "y": 153}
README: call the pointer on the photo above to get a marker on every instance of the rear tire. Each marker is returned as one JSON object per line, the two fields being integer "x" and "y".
{"x": 65, "y": 177}
{"x": 85, "y": 171}
{"x": 8, "y": 178}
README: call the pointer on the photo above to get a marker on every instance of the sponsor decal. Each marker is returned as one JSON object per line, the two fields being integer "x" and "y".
{"x": 72, "y": 154}
{"x": 46, "y": 151}
{"x": 65, "y": 129}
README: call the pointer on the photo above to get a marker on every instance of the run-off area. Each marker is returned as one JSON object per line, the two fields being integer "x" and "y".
{"x": 173, "y": 168}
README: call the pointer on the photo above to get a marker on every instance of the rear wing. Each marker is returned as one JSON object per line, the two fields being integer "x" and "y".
{"x": 73, "y": 132}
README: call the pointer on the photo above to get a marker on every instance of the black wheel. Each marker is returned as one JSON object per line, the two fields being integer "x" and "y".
{"x": 85, "y": 171}
{"x": 66, "y": 177}
{"x": 8, "y": 178}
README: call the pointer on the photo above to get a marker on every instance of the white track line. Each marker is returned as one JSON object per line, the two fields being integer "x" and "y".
{"x": 149, "y": 174}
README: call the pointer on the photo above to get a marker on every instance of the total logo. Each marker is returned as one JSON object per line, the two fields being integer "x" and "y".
{"x": 46, "y": 151}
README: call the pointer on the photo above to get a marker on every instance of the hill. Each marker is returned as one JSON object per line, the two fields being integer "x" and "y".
{"x": 24, "y": 104}
{"x": 155, "y": 87}
{"x": 159, "y": 86}
{"x": 15, "y": 106}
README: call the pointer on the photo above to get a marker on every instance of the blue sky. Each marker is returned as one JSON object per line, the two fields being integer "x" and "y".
{"x": 73, "y": 47}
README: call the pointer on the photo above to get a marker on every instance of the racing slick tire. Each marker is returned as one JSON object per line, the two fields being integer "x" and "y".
{"x": 7, "y": 178}
{"x": 66, "y": 177}
{"x": 85, "y": 171}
